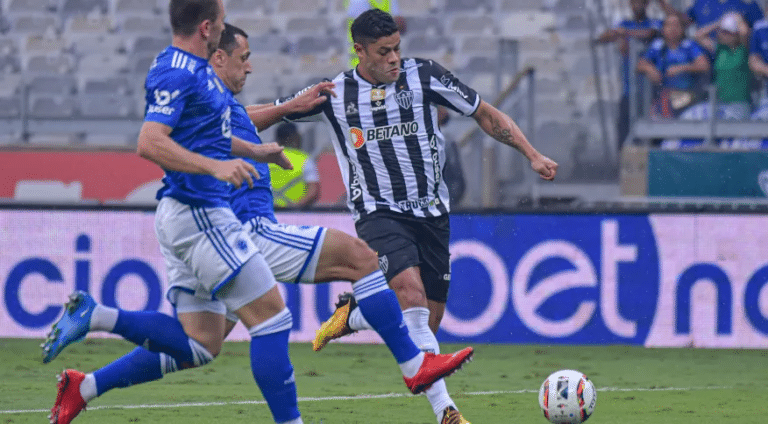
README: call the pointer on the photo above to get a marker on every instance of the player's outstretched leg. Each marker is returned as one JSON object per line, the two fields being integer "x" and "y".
{"x": 436, "y": 367}
{"x": 69, "y": 402}
{"x": 71, "y": 327}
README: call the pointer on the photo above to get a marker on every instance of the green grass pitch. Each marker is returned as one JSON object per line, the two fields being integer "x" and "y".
{"x": 362, "y": 384}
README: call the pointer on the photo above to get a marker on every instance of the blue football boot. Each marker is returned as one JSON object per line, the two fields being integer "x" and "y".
{"x": 71, "y": 327}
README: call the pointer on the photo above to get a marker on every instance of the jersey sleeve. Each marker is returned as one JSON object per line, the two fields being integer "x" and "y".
{"x": 309, "y": 170}
{"x": 166, "y": 95}
{"x": 445, "y": 89}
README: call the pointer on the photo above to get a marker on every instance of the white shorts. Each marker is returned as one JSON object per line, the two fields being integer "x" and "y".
{"x": 204, "y": 248}
{"x": 292, "y": 251}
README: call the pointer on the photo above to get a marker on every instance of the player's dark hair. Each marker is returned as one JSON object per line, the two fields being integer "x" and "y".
{"x": 372, "y": 25}
{"x": 228, "y": 42}
{"x": 186, "y": 15}
{"x": 285, "y": 130}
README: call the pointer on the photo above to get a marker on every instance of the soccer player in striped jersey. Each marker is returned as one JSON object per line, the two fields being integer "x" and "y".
{"x": 383, "y": 125}
{"x": 187, "y": 131}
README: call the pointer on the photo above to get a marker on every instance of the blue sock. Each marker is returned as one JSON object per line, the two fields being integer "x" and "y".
{"x": 156, "y": 332}
{"x": 380, "y": 308}
{"x": 272, "y": 368}
{"x": 138, "y": 366}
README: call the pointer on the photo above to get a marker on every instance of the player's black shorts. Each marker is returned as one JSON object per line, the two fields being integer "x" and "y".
{"x": 403, "y": 241}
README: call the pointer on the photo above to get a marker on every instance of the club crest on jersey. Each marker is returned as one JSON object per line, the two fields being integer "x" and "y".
{"x": 383, "y": 263}
{"x": 404, "y": 99}
{"x": 378, "y": 94}
{"x": 351, "y": 108}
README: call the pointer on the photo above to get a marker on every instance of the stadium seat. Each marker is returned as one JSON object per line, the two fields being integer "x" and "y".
{"x": 465, "y": 6}
{"x": 507, "y": 6}
{"x": 146, "y": 44}
{"x": 317, "y": 26}
{"x": 138, "y": 65}
{"x": 83, "y": 7}
{"x": 252, "y": 26}
{"x": 473, "y": 24}
{"x": 30, "y": 6}
{"x": 525, "y": 24}
{"x": 416, "y": 7}
{"x": 421, "y": 44}
{"x": 144, "y": 25}
{"x": 253, "y": 8}
{"x": 97, "y": 44}
{"x": 428, "y": 25}
{"x": 269, "y": 63}
{"x": 109, "y": 140}
{"x": 44, "y": 44}
{"x": 570, "y": 6}
{"x": 480, "y": 46}
{"x": 10, "y": 107}
{"x": 10, "y": 63}
{"x": 87, "y": 26}
{"x": 301, "y": 7}
{"x": 10, "y": 84}
{"x": 314, "y": 45}
{"x": 106, "y": 105}
{"x": 33, "y": 24}
{"x": 47, "y": 64}
{"x": 99, "y": 63}
{"x": 52, "y": 84}
{"x": 115, "y": 84}
{"x": 142, "y": 7}
{"x": 332, "y": 191}
{"x": 268, "y": 43}
{"x": 52, "y": 106}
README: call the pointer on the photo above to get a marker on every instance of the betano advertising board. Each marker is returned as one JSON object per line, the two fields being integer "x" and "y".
{"x": 656, "y": 280}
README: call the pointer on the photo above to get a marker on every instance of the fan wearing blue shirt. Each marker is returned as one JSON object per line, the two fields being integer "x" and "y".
{"x": 642, "y": 28}
{"x": 704, "y": 12}
{"x": 673, "y": 63}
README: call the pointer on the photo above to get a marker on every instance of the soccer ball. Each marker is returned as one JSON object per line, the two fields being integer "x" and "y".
{"x": 567, "y": 397}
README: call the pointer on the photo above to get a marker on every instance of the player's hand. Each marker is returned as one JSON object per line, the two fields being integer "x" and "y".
{"x": 311, "y": 98}
{"x": 235, "y": 171}
{"x": 271, "y": 153}
{"x": 545, "y": 167}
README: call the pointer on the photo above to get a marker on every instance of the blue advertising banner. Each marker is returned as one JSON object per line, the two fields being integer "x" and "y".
{"x": 671, "y": 280}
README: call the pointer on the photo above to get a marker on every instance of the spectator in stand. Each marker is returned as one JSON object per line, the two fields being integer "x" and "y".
{"x": 673, "y": 64}
{"x": 356, "y": 7}
{"x": 299, "y": 187}
{"x": 705, "y": 12}
{"x": 642, "y": 28}
{"x": 731, "y": 73}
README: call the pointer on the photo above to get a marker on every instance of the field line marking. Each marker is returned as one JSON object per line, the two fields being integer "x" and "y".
{"x": 359, "y": 397}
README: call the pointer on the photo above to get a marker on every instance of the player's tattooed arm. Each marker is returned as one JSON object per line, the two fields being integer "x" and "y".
{"x": 502, "y": 128}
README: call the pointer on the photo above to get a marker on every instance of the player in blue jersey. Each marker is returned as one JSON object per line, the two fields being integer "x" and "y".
{"x": 210, "y": 257}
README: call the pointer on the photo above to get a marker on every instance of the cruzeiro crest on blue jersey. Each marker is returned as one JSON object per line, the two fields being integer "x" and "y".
{"x": 184, "y": 93}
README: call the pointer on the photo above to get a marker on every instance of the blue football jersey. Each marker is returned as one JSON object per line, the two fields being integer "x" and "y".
{"x": 249, "y": 202}
{"x": 662, "y": 57}
{"x": 632, "y": 24}
{"x": 183, "y": 92}
{"x": 704, "y": 12}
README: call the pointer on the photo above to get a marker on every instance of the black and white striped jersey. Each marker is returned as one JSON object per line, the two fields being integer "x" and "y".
{"x": 390, "y": 150}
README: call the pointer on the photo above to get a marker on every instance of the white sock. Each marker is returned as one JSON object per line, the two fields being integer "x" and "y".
{"x": 417, "y": 320}
{"x": 296, "y": 421}
{"x": 411, "y": 366}
{"x": 103, "y": 318}
{"x": 357, "y": 321}
{"x": 88, "y": 388}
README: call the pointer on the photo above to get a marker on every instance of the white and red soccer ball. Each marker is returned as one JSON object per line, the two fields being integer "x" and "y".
{"x": 567, "y": 397}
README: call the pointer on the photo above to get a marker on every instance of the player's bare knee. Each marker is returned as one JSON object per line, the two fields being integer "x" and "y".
{"x": 364, "y": 259}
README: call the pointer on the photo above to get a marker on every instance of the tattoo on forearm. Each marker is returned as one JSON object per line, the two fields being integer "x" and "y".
{"x": 502, "y": 134}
